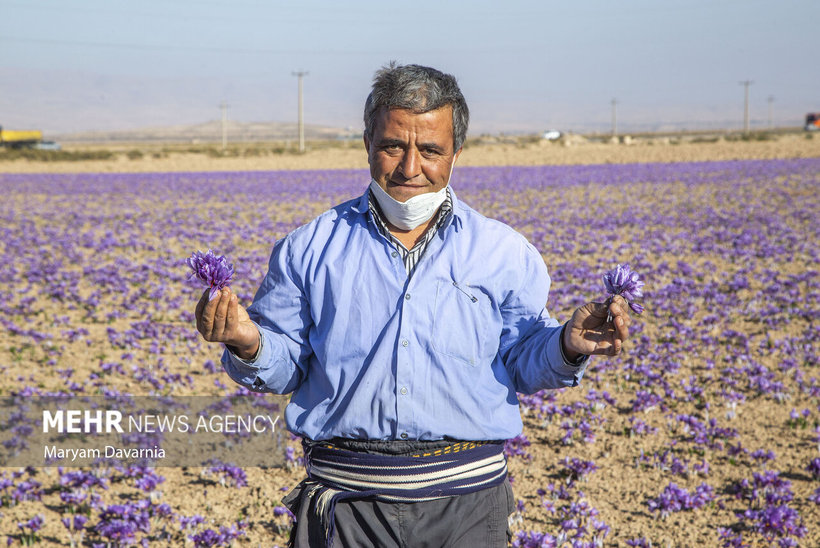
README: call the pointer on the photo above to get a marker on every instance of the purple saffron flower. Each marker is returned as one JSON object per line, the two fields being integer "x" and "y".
{"x": 190, "y": 523}
{"x": 212, "y": 270}
{"x": 34, "y": 524}
{"x": 230, "y": 475}
{"x": 677, "y": 499}
{"x": 206, "y": 538}
{"x": 776, "y": 522}
{"x": 814, "y": 468}
{"x": 577, "y": 468}
{"x": 282, "y": 511}
{"x": 623, "y": 281}
{"x": 78, "y": 524}
{"x": 515, "y": 447}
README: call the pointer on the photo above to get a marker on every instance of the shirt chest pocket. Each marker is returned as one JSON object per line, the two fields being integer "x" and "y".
{"x": 461, "y": 316}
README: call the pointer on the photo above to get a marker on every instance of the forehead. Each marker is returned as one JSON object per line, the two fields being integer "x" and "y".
{"x": 400, "y": 123}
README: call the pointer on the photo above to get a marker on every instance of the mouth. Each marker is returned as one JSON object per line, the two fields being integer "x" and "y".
{"x": 407, "y": 184}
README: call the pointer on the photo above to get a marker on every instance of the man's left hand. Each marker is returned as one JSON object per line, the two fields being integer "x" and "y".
{"x": 589, "y": 332}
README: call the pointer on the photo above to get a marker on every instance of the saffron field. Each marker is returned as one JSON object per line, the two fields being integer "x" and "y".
{"x": 706, "y": 431}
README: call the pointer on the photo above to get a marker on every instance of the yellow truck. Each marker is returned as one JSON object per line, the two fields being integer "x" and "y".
{"x": 29, "y": 138}
{"x": 13, "y": 138}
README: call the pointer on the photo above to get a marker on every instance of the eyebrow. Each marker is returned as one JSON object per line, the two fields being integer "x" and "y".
{"x": 384, "y": 142}
{"x": 433, "y": 146}
{"x": 388, "y": 142}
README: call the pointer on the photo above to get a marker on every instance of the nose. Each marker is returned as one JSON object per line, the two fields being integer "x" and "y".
{"x": 410, "y": 165}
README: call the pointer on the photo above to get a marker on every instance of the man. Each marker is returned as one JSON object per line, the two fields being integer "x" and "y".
{"x": 404, "y": 323}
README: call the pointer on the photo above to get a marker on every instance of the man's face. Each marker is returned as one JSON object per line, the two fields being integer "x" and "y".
{"x": 410, "y": 153}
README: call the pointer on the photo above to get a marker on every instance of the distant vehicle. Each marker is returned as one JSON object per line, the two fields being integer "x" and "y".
{"x": 551, "y": 135}
{"x": 47, "y": 145}
{"x": 812, "y": 121}
{"x": 12, "y": 138}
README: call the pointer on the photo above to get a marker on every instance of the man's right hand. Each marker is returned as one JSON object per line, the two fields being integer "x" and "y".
{"x": 224, "y": 320}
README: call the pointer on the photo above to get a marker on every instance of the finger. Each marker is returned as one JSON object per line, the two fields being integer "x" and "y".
{"x": 615, "y": 349}
{"x": 232, "y": 319}
{"x": 221, "y": 315}
{"x": 621, "y": 324}
{"x": 200, "y": 305}
{"x": 617, "y": 308}
{"x": 618, "y": 304}
{"x": 206, "y": 320}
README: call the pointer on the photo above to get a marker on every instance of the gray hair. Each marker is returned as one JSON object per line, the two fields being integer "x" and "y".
{"x": 420, "y": 89}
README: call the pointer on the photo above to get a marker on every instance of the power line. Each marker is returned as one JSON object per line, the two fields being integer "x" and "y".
{"x": 163, "y": 47}
{"x": 117, "y": 13}
{"x": 268, "y": 51}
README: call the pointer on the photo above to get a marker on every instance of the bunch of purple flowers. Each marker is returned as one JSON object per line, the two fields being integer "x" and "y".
{"x": 677, "y": 499}
{"x": 623, "y": 281}
{"x": 214, "y": 271}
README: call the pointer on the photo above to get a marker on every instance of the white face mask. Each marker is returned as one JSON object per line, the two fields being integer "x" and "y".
{"x": 410, "y": 214}
{"x": 415, "y": 211}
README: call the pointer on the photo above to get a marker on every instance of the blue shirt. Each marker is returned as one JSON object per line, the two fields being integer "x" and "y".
{"x": 372, "y": 354}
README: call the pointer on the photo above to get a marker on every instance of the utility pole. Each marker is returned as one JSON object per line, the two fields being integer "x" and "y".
{"x": 300, "y": 74}
{"x": 746, "y": 84}
{"x": 614, "y": 118}
{"x": 771, "y": 100}
{"x": 224, "y": 106}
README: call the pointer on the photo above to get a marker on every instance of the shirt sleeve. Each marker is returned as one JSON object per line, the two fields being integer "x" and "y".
{"x": 531, "y": 339}
{"x": 280, "y": 312}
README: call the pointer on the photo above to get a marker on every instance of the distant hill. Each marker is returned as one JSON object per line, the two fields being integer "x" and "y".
{"x": 211, "y": 132}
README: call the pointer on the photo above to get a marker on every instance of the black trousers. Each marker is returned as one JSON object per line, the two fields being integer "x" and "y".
{"x": 474, "y": 520}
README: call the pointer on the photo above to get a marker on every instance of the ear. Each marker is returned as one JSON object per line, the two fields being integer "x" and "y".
{"x": 366, "y": 143}
{"x": 457, "y": 154}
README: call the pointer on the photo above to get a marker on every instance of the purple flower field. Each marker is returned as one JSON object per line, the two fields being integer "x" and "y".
{"x": 706, "y": 431}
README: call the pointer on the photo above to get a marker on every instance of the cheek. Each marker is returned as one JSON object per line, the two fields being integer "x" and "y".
{"x": 383, "y": 165}
{"x": 437, "y": 174}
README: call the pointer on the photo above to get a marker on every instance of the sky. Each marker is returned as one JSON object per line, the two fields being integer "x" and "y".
{"x": 523, "y": 66}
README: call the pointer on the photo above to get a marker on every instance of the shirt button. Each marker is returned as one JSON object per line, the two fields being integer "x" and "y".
{"x": 405, "y": 342}
{"x": 404, "y": 435}
{"x": 407, "y": 297}
{"x": 395, "y": 254}
{"x": 403, "y": 390}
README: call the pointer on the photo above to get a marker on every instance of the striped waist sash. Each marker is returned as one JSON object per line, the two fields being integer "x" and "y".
{"x": 457, "y": 469}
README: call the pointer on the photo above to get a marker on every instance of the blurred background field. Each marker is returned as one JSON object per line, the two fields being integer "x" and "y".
{"x": 489, "y": 150}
